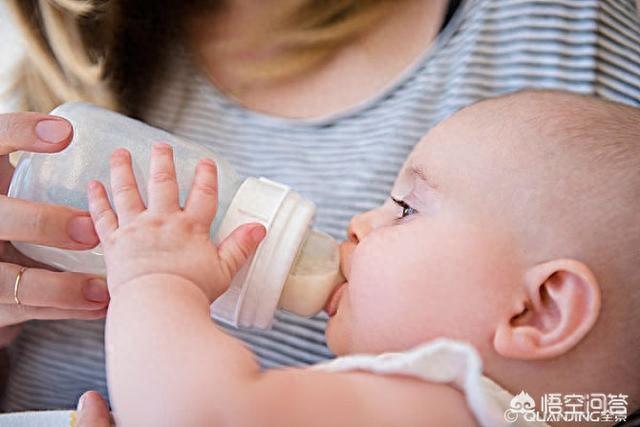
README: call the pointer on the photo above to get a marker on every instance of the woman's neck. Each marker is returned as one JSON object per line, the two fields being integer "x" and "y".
{"x": 238, "y": 20}
{"x": 380, "y": 54}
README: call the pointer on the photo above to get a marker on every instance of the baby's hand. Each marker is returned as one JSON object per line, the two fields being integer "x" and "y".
{"x": 162, "y": 238}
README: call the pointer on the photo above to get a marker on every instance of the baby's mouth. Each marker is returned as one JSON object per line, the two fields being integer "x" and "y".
{"x": 331, "y": 307}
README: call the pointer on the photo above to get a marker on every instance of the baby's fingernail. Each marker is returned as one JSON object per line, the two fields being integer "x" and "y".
{"x": 53, "y": 131}
{"x": 80, "y": 229}
{"x": 258, "y": 233}
{"x": 96, "y": 290}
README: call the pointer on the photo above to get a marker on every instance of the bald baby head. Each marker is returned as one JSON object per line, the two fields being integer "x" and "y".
{"x": 562, "y": 169}
{"x": 560, "y": 173}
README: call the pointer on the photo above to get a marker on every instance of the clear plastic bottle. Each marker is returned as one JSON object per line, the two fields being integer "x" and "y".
{"x": 294, "y": 268}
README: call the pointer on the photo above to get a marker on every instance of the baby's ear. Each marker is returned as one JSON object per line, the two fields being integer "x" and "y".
{"x": 559, "y": 306}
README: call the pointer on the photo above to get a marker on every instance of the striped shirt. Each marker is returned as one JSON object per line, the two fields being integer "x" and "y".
{"x": 346, "y": 162}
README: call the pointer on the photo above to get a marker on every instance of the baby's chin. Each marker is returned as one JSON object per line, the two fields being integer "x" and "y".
{"x": 338, "y": 337}
{"x": 342, "y": 340}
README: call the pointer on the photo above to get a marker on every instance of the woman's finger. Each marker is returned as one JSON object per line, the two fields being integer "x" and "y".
{"x": 6, "y": 172}
{"x": 202, "y": 203}
{"x": 238, "y": 246}
{"x": 33, "y": 132}
{"x": 126, "y": 196}
{"x": 44, "y": 288}
{"x": 103, "y": 216}
{"x": 9, "y": 333}
{"x": 49, "y": 225}
{"x": 163, "y": 187}
{"x": 92, "y": 411}
{"x": 16, "y": 314}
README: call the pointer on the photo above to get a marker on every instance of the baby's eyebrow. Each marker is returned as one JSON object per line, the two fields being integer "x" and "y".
{"x": 418, "y": 172}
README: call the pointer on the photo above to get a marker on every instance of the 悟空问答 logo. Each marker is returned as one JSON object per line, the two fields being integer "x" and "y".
{"x": 521, "y": 403}
{"x": 572, "y": 407}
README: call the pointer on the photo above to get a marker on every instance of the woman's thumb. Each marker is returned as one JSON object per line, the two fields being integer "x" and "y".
{"x": 236, "y": 249}
{"x": 92, "y": 411}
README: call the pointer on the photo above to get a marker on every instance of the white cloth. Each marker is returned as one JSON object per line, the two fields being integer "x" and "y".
{"x": 37, "y": 419}
{"x": 441, "y": 361}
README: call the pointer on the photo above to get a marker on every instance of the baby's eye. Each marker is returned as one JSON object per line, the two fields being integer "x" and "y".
{"x": 406, "y": 209}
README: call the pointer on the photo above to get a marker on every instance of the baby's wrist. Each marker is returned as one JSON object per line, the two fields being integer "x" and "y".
{"x": 156, "y": 282}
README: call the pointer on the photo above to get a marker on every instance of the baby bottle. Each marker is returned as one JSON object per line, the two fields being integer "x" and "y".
{"x": 294, "y": 268}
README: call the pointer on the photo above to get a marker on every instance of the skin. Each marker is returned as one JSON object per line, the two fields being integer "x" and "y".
{"x": 381, "y": 54}
{"x": 442, "y": 252}
{"x": 92, "y": 411}
{"x": 141, "y": 238}
{"x": 446, "y": 247}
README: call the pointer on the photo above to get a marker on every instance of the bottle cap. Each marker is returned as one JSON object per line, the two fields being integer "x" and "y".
{"x": 252, "y": 297}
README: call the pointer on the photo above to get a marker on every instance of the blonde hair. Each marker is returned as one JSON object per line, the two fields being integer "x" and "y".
{"x": 106, "y": 53}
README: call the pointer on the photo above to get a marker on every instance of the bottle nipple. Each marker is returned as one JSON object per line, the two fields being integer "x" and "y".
{"x": 315, "y": 273}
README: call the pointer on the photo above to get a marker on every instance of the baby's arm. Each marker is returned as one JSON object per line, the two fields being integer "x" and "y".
{"x": 168, "y": 363}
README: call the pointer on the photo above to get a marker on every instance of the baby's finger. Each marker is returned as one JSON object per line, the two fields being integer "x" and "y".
{"x": 236, "y": 249}
{"x": 202, "y": 202}
{"x": 163, "y": 187}
{"x": 104, "y": 218}
{"x": 126, "y": 197}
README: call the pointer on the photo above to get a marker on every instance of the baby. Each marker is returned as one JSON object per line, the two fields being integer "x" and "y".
{"x": 512, "y": 230}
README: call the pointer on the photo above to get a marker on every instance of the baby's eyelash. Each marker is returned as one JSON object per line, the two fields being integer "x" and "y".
{"x": 406, "y": 209}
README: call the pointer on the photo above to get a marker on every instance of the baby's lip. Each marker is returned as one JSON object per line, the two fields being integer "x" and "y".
{"x": 331, "y": 306}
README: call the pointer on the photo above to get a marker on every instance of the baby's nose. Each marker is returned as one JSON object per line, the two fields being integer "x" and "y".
{"x": 359, "y": 227}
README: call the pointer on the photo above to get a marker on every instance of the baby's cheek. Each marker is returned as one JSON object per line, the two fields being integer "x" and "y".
{"x": 339, "y": 329}
{"x": 372, "y": 306}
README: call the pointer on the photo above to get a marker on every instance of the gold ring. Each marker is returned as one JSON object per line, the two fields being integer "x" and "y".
{"x": 16, "y": 285}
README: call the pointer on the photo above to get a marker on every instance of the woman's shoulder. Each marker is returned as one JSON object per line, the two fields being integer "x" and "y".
{"x": 571, "y": 8}
{"x": 500, "y": 46}
{"x": 566, "y": 22}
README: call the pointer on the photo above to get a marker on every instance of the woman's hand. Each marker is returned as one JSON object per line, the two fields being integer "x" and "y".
{"x": 92, "y": 411}
{"x": 43, "y": 293}
{"x": 162, "y": 238}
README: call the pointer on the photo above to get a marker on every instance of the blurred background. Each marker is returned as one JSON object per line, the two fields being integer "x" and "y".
{"x": 10, "y": 48}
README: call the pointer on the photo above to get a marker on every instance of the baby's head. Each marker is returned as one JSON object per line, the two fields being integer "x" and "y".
{"x": 516, "y": 227}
